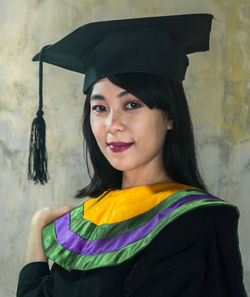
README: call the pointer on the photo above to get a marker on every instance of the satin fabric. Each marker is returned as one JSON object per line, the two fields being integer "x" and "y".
{"x": 119, "y": 226}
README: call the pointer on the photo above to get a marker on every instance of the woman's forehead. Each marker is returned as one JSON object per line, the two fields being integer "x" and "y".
{"x": 106, "y": 87}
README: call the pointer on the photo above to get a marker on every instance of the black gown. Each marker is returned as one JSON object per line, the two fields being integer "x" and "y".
{"x": 197, "y": 255}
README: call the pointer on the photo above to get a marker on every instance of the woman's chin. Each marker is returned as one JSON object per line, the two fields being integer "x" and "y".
{"x": 121, "y": 167}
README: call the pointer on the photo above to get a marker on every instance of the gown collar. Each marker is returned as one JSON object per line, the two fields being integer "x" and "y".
{"x": 108, "y": 231}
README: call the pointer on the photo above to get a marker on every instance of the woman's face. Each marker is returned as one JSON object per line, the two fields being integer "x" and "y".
{"x": 129, "y": 134}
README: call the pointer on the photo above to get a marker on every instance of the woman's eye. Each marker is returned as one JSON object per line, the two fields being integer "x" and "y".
{"x": 132, "y": 105}
{"x": 98, "y": 108}
{"x": 129, "y": 105}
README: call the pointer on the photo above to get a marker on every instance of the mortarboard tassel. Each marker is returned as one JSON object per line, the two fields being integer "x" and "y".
{"x": 38, "y": 158}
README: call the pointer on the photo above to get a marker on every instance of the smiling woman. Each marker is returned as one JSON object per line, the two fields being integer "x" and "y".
{"x": 150, "y": 226}
{"x": 121, "y": 128}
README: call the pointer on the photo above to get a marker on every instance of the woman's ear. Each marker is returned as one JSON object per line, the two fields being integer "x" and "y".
{"x": 170, "y": 125}
{"x": 169, "y": 122}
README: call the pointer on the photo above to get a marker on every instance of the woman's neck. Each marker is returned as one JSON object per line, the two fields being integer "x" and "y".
{"x": 144, "y": 177}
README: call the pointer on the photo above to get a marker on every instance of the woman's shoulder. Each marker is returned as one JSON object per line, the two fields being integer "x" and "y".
{"x": 194, "y": 230}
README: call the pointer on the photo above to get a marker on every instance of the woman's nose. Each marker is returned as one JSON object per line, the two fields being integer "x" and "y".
{"x": 114, "y": 122}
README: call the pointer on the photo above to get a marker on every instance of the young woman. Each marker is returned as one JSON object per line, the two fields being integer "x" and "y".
{"x": 150, "y": 227}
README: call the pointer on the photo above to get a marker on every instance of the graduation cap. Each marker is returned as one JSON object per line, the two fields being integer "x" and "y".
{"x": 157, "y": 45}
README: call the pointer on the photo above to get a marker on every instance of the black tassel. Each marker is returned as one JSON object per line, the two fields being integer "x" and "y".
{"x": 38, "y": 158}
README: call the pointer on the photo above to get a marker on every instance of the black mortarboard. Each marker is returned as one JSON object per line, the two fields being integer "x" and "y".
{"x": 152, "y": 45}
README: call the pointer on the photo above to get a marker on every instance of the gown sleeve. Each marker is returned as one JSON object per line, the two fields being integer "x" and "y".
{"x": 35, "y": 280}
{"x": 197, "y": 255}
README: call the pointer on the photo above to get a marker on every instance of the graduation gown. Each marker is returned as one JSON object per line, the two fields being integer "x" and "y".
{"x": 165, "y": 239}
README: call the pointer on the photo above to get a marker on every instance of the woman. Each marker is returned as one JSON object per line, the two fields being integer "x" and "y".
{"x": 150, "y": 228}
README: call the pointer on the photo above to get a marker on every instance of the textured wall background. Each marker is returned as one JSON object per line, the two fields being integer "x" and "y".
{"x": 217, "y": 87}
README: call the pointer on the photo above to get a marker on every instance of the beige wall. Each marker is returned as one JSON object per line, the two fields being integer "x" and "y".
{"x": 217, "y": 87}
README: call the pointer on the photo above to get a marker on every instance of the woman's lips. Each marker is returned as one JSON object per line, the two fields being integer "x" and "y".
{"x": 118, "y": 147}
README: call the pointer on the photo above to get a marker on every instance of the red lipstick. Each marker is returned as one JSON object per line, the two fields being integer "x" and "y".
{"x": 118, "y": 147}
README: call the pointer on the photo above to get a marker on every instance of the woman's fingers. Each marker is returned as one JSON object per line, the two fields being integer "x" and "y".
{"x": 47, "y": 215}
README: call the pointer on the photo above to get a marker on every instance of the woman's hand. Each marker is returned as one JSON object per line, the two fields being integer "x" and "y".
{"x": 34, "y": 250}
{"x": 47, "y": 215}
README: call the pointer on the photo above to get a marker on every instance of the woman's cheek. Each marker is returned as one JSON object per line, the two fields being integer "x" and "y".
{"x": 98, "y": 128}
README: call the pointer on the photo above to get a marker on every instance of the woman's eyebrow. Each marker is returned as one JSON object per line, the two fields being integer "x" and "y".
{"x": 101, "y": 97}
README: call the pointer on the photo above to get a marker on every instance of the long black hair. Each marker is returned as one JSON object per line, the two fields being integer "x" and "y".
{"x": 179, "y": 153}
